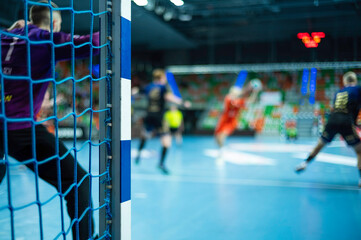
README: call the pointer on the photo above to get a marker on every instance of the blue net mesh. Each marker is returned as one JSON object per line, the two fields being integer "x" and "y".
{"x": 70, "y": 110}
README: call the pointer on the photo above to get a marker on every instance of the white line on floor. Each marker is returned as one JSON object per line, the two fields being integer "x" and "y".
{"x": 243, "y": 182}
{"x": 330, "y": 158}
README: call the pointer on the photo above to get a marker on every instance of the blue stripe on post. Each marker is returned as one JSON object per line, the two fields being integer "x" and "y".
{"x": 241, "y": 78}
{"x": 173, "y": 84}
{"x": 126, "y": 50}
{"x": 304, "y": 81}
{"x": 313, "y": 80}
{"x": 125, "y": 171}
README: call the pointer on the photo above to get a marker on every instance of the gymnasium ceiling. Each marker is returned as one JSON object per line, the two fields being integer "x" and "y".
{"x": 220, "y": 21}
{"x": 230, "y": 21}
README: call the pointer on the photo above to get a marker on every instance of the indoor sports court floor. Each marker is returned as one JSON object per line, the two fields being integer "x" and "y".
{"x": 254, "y": 194}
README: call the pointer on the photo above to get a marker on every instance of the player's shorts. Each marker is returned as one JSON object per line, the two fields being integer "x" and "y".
{"x": 173, "y": 130}
{"x": 155, "y": 123}
{"x": 226, "y": 126}
{"x": 341, "y": 123}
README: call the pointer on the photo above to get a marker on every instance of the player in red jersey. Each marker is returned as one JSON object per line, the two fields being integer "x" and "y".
{"x": 234, "y": 102}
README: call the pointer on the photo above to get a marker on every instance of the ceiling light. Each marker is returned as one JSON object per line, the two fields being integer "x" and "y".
{"x": 168, "y": 15}
{"x": 150, "y": 6}
{"x": 141, "y": 3}
{"x": 185, "y": 17}
{"x": 159, "y": 10}
{"x": 177, "y": 2}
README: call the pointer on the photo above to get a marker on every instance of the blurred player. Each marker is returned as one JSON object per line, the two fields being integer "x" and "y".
{"x": 18, "y": 105}
{"x": 174, "y": 118}
{"x": 234, "y": 102}
{"x": 342, "y": 121}
{"x": 291, "y": 130}
{"x": 154, "y": 123}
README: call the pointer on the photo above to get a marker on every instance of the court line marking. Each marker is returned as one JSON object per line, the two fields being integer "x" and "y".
{"x": 140, "y": 195}
{"x": 240, "y": 158}
{"x": 330, "y": 158}
{"x": 244, "y": 182}
{"x": 270, "y": 147}
{"x": 144, "y": 154}
{"x": 281, "y": 147}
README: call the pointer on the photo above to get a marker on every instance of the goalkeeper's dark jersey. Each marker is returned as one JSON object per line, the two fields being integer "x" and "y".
{"x": 15, "y": 55}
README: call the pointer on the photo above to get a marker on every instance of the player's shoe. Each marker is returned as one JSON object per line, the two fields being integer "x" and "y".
{"x": 163, "y": 169}
{"x": 301, "y": 167}
{"x": 359, "y": 183}
{"x": 137, "y": 159}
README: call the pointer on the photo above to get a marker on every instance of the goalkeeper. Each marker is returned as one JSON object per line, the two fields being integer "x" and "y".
{"x": 18, "y": 107}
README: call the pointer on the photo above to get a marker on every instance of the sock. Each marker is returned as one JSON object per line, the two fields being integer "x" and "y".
{"x": 309, "y": 159}
{"x": 162, "y": 159}
{"x": 2, "y": 172}
{"x": 141, "y": 146}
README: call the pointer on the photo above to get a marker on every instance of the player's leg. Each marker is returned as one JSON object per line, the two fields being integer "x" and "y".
{"x": 143, "y": 140}
{"x": 357, "y": 149}
{"x": 315, "y": 151}
{"x": 219, "y": 132}
{"x": 178, "y": 136}
{"x": 166, "y": 142}
{"x": 20, "y": 147}
{"x": 302, "y": 166}
{"x": 145, "y": 134}
{"x": 350, "y": 135}
{"x": 331, "y": 129}
{"x": 2, "y": 164}
{"x": 224, "y": 130}
{"x": 77, "y": 199}
{"x": 2, "y": 171}
{"x": 220, "y": 138}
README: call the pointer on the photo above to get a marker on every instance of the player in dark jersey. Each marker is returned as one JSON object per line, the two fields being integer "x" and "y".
{"x": 342, "y": 120}
{"x": 14, "y": 52}
{"x": 154, "y": 122}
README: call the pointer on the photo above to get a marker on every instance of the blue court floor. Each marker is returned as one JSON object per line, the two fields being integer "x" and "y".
{"x": 252, "y": 194}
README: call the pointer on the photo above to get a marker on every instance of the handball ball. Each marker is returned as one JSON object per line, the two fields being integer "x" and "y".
{"x": 256, "y": 84}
